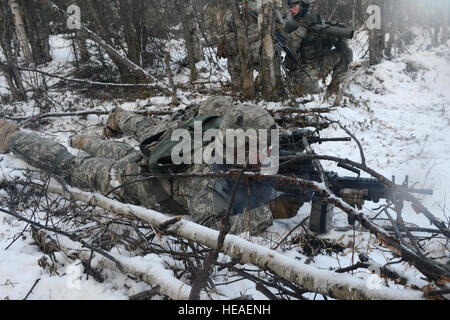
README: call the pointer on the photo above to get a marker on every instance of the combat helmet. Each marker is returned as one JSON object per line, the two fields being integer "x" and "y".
{"x": 294, "y": 2}
{"x": 305, "y": 4}
{"x": 249, "y": 120}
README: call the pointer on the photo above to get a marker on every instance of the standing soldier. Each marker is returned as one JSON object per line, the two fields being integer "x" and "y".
{"x": 115, "y": 166}
{"x": 228, "y": 48}
{"x": 316, "y": 54}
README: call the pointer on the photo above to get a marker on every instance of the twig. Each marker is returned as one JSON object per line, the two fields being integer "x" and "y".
{"x": 68, "y": 235}
{"x": 204, "y": 274}
{"x": 29, "y": 292}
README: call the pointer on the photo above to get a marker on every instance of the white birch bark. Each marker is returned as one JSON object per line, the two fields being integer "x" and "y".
{"x": 22, "y": 35}
{"x": 339, "y": 286}
{"x": 267, "y": 68}
{"x": 149, "y": 269}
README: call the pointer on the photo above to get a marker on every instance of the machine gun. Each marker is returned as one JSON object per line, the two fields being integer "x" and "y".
{"x": 353, "y": 190}
{"x": 330, "y": 29}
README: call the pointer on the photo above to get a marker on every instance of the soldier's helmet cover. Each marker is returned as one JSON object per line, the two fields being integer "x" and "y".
{"x": 294, "y": 2}
{"x": 215, "y": 105}
{"x": 247, "y": 116}
{"x": 247, "y": 122}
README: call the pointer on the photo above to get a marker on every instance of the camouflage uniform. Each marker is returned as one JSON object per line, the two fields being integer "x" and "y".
{"x": 231, "y": 51}
{"x": 317, "y": 55}
{"x": 113, "y": 164}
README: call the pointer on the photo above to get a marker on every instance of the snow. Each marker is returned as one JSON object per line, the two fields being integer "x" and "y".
{"x": 398, "y": 110}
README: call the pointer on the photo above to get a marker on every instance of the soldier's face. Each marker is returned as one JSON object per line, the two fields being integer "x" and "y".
{"x": 294, "y": 10}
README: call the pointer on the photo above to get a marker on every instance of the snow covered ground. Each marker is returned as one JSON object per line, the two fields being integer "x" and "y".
{"x": 399, "y": 110}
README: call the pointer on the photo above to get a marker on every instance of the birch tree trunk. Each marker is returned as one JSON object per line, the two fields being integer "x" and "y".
{"x": 248, "y": 85}
{"x": 12, "y": 75}
{"x": 267, "y": 68}
{"x": 21, "y": 31}
{"x": 445, "y": 33}
{"x": 191, "y": 36}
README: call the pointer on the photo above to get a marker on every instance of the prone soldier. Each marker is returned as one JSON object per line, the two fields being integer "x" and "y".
{"x": 114, "y": 166}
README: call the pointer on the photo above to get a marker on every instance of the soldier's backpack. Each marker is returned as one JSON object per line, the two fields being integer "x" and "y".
{"x": 158, "y": 148}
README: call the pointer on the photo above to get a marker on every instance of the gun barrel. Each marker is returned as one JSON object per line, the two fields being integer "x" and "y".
{"x": 333, "y": 31}
{"x": 331, "y": 139}
{"x": 421, "y": 191}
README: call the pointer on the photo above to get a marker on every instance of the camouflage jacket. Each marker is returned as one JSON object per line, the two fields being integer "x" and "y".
{"x": 252, "y": 32}
{"x": 309, "y": 46}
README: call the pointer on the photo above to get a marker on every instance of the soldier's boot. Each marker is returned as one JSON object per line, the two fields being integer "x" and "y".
{"x": 7, "y": 128}
{"x": 112, "y": 129}
{"x": 333, "y": 88}
{"x": 78, "y": 142}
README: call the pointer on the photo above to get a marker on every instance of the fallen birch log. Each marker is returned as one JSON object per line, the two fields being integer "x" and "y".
{"x": 83, "y": 114}
{"x": 149, "y": 269}
{"x": 312, "y": 279}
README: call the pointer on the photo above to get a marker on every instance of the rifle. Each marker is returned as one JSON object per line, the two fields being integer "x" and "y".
{"x": 334, "y": 30}
{"x": 353, "y": 190}
{"x": 327, "y": 28}
{"x": 280, "y": 43}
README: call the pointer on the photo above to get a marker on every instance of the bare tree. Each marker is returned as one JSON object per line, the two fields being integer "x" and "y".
{"x": 191, "y": 34}
{"x": 12, "y": 75}
{"x": 267, "y": 68}
{"x": 22, "y": 35}
{"x": 248, "y": 84}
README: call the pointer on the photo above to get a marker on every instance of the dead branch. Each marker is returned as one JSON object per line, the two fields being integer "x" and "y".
{"x": 113, "y": 52}
{"x": 204, "y": 274}
{"x": 66, "y": 234}
{"x": 83, "y": 114}
{"x": 429, "y": 268}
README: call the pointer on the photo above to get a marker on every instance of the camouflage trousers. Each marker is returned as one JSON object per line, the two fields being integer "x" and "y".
{"x": 234, "y": 69}
{"x": 335, "y": 62}
{"x": 113, "y": 167}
